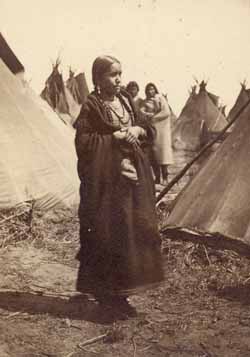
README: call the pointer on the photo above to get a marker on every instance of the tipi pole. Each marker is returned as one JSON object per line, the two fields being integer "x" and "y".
{"x": 200, "y": 153}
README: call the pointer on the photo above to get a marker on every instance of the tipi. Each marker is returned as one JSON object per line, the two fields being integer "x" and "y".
{"x": 215, "y": 204}
{"x": 198, "y": 121}
{"x": 59, "y": 96}
{"x": 38, "y": 160}
{"x": 77, "y": 86}
{"x": 242, "y": 98}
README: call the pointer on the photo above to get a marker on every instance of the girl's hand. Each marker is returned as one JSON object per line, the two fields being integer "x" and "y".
{"x": 120, "y": 134}
{"x": 149, "y": 115}
{"x": 133, "y": 134}
{"x": 146, "y": 115}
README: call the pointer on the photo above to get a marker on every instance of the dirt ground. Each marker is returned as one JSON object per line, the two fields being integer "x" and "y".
{"x": 202, "y": 309}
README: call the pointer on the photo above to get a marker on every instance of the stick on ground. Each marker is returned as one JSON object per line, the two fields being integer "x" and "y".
{"x": 92, "y": 340}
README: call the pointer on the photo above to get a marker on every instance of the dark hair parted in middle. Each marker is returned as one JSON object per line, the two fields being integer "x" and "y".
{"x": 100, "y": 66}
{"x": 148, "y": 87}
{"x": 131, "y": 85}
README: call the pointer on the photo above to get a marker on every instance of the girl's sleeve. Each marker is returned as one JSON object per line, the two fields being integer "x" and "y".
{"x": 88, "y": 139}
{"x": 96, "y": 151}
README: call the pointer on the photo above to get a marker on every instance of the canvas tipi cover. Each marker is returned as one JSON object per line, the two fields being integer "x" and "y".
{"x": 214, "y": 98}
{"x": 78, "y": 87}
{"x": 216, "y": 201}
{"x": 199, "y": 119}
{"x": 37, "y": 160}
{"x": 242, "y": 98}
{"x": 59, "y": 97}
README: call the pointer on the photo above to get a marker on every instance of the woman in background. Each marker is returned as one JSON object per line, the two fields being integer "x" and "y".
{"x": 120, "y": 243}
{"x": 133, "y": 89}
{"x": 156, "y": 110}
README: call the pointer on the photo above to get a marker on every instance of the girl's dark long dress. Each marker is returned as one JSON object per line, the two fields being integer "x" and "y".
{"x": 120, "y": 243}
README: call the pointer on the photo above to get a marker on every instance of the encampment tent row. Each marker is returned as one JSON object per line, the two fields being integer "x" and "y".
{"x": 38, "y": 162}
{"x": 65, "y": 98}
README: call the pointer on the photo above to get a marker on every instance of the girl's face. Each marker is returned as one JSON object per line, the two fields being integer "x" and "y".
{"x": 133, "y": 91}
{"x": 110, "y": 83}
{"x": 151, "y": 91}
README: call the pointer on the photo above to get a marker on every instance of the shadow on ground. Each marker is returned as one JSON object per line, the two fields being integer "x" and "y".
{"x": 78, "y": 307}
{"x": 239, "y": 293}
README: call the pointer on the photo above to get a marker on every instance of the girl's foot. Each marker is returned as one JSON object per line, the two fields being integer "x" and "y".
{"x": 117, "y": 304}
{"x": 123, "y": 305}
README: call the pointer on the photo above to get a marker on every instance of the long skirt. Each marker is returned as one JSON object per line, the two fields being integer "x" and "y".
{"x": 120, "y": 248}
{"x": 163, "y": 143}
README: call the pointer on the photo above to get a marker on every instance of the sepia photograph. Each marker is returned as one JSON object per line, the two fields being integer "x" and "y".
{"x": 124, "y": 161}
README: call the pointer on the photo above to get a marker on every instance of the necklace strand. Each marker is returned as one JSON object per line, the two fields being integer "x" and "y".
{"x": 124, "y": 104}
{"x": 120, "y": 117}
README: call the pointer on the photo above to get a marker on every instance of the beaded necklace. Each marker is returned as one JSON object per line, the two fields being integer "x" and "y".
{"x": 109, "y": 110}
{"x": 122, "y": 119}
